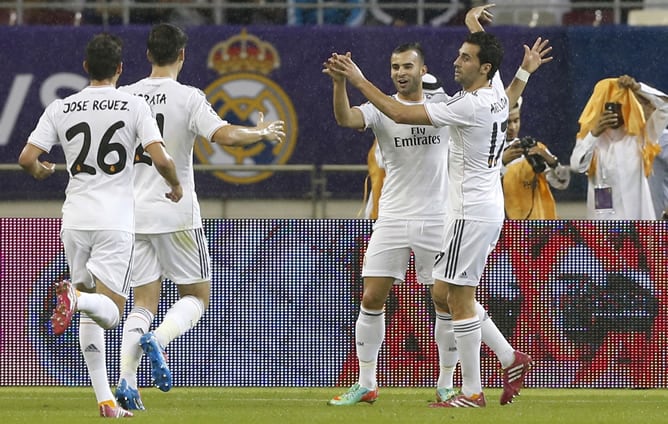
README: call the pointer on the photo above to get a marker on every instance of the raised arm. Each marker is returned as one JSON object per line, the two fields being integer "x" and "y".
{"x": 534, "y": 57}
{"x": 477, "y": 14}
{"x": 657, "y": 119}
{"x": 343, "y": 65}
{"x": 345, "y": 115}
{"x": 239, "y": 135}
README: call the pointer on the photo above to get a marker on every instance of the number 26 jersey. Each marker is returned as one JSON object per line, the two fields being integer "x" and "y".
{"x": 99, "y": 129}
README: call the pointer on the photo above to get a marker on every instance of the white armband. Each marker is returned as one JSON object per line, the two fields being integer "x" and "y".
{"x": 522, "y": 75}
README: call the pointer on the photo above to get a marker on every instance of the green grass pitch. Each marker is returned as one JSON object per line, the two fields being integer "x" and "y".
{"x": 71, "y": 405}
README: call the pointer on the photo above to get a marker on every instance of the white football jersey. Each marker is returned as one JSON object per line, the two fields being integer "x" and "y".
{"x": 99, "y": 129}
{"x": 183, "y": 114}
{"x": 477, "y": 122}
{"x": 414, "y": 158}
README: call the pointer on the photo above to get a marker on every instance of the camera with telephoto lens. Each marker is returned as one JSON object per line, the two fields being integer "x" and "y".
{"x": 536, "y": 161}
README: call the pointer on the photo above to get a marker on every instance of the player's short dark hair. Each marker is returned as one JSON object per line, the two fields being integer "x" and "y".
{"x": 490, "y": 52}
{"x": 104, "y": 53}
{"x": 164, "y": 43}
{"x": 415, "y": 46}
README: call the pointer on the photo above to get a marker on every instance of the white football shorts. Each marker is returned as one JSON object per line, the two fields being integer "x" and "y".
{"x": 181, "y": 256}
{"x": 391, "y": 243}
{"x": 105, "y": 254}
{"x": 466, "y": 245}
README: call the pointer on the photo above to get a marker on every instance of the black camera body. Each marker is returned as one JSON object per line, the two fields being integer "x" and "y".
{"x": 537, "y": 162}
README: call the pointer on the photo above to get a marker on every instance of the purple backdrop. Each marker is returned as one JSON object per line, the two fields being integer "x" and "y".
{"x": 43, "y": 62}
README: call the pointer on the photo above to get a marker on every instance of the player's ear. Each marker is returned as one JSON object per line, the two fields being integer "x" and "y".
{"x": 85, "y": 66}
{"x": 485, "y": 68}
{"x": 119, "y": 69}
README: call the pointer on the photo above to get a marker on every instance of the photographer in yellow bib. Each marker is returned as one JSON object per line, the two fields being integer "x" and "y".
{"x": 529, "y": 170}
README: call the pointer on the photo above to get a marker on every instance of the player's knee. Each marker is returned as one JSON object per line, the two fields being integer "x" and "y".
{"x": 110, "y": 323}
{"x": 200, "y": 303}
{"x": 481, "y": 311}
{"x": 373, "y": 302}
{"x": 204, "y": 301}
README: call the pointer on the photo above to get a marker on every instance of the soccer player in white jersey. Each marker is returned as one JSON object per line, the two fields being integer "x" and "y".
{"x": 409, "y": 219}
{"x": 99, "y": 129}
{"x": 409, "y": 215}
{"x": 476, "y": 118}
{"x": 169, "y": 238}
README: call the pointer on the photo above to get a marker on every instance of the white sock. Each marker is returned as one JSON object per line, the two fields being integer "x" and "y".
{"x": 468, "y": 336}
{"x": 181, "y": 317}
{"x": 136, "y": 325}
{"x": 369, "y": 336}
{"x": 448, "y": 356}
{"x": 100, "y": 309}
{"x": 494, "y": 339}
{"x": 91, "y": 341}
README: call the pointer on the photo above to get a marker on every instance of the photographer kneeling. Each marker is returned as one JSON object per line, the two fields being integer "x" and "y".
{"x": 529, "y": 169}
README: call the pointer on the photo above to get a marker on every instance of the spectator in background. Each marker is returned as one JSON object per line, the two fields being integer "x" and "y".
{"x": 188, "y": 16}
{"x": 658, "y": 181}
{"x": 266, "y": 14}
{"x": 101, "y": 12}
{"x": 529, "y": 169}
{"x": 51, "y": 12}
{"x": 409, "y": 16}
{"x": 531, "y": 13}
{"x": 616, "y": 147}
{"x": 306, "y": 12}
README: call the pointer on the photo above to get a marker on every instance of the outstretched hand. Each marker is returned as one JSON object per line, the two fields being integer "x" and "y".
{"x": 272, "y": 131}
{"x": 535, "y": 56}
{"x": 342, "y": 66}
{"x": 327, "y": 69}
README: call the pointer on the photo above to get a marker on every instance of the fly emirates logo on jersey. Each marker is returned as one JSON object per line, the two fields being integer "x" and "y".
{"x": 243, "y": 90}
{"x": 419, "y": 137}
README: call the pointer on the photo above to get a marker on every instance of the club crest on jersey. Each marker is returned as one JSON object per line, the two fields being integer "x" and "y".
{"x": 243, "y": 90}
